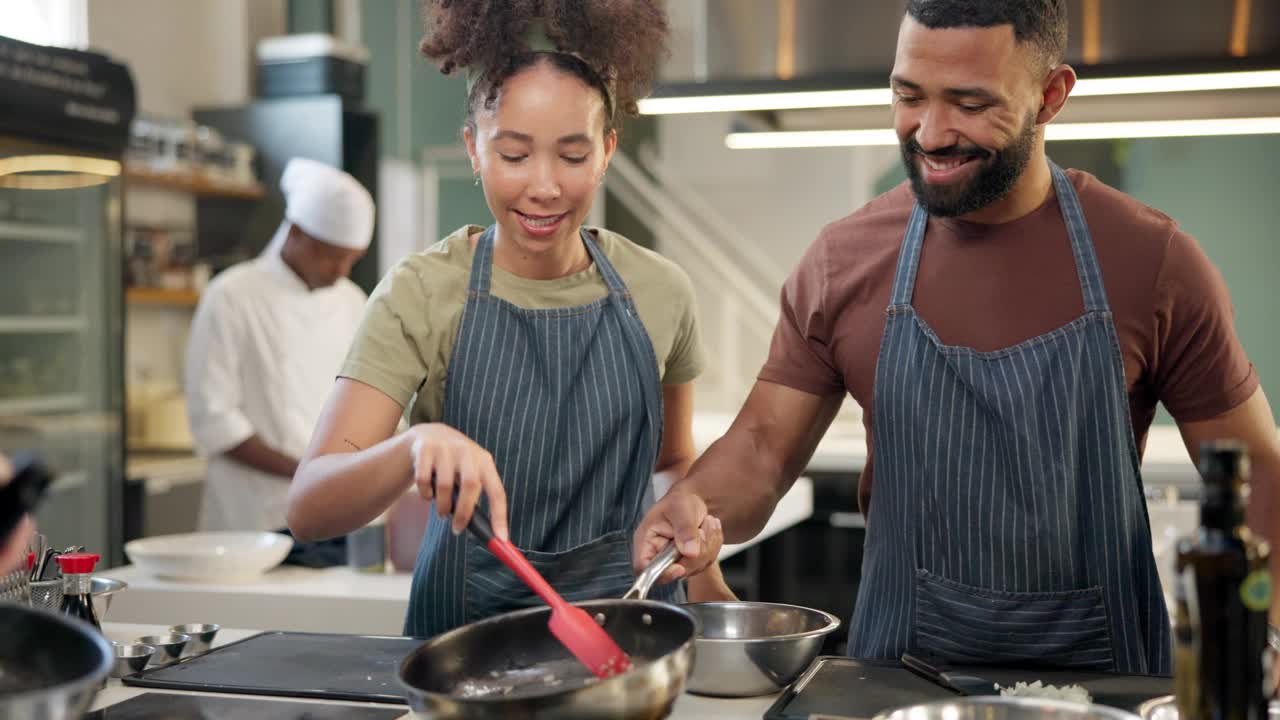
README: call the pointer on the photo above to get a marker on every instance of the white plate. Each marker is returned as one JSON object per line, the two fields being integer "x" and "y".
{"x": 210, "y": 556}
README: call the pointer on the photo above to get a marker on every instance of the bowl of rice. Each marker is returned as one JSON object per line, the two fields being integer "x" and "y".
{"x": 1037, "y": 689}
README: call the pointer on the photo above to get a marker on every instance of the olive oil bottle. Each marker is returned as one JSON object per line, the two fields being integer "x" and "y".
{"x": 1223, "y": 594}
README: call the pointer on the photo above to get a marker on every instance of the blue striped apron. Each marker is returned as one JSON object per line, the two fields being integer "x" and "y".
{"x": 1008, "y": 523}
{"x": 569, "y": 402}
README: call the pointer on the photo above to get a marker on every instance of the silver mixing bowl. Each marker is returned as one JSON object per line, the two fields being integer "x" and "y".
{"x": 996, "y": 707}
{"x": 1166, "y": 708}
{"x": 754, "y": 648}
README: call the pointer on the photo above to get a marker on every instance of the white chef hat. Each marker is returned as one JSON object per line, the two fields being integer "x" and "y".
{"x": 327, "y": 203}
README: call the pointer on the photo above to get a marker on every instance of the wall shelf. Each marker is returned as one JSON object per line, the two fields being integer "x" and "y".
{"x": 161, "y": 297}
{"x": 41, "y": 403}
{"x": 33, "y": 232}
{"x": 193, "y": 183}
{"x": 41, "y": 324}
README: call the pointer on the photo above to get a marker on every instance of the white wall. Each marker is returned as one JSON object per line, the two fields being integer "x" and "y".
{"x": 777, "y": 200}
{"x": 182, "y": 54}
{"x": 774, "y": 202}
{"x": 185, "y": 53}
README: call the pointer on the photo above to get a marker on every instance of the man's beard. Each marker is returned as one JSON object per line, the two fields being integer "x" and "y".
{"x": 999, "y": 171}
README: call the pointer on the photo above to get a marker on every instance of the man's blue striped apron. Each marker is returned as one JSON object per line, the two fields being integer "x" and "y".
{"x": 569, "y": 402}
{"x": 1008, "y": 523}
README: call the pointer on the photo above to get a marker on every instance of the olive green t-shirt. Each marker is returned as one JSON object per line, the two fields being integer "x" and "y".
{"x": 406, "y": 337}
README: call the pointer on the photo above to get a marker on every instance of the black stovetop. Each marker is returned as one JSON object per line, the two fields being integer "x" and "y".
{"x": 165, "y": 706}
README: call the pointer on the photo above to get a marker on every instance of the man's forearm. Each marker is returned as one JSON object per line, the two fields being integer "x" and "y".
{"x": 744, "y": 474}
{"x": 740, "y": 483}
{"x": 262, "y": 457}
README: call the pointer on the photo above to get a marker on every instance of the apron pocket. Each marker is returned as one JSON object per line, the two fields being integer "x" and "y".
{"x": 971, "y": 625}
{"x": 595, "y": 570}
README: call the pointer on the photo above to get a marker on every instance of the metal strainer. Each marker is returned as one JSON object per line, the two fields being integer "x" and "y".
{"x": 47, "y": 594}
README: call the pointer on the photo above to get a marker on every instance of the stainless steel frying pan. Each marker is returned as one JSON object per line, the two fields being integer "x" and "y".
{"x": 510, "y": 666}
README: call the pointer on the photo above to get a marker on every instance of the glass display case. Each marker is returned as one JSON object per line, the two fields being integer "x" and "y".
{"x": 64, "y": 119}
{"x": 61, "y": 332}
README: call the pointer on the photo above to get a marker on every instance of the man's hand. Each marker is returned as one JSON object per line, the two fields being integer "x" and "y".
{"x": 262, "y": 457}
{"x": 13, "y": 549}
{"x": 709, "y": 585}
{"x": 680, "y": 516}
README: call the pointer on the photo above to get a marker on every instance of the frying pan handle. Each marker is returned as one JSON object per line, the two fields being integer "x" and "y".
{"x": 479, "y": 526}
{"x": 645, "y": 580}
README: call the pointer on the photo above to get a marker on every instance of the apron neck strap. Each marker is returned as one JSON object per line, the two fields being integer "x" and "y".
{"x": 904, "y": 280}
{"x": 1095, "y": 293}
{"x": 1086, "y": 258}
{"x": 482, "y": 263}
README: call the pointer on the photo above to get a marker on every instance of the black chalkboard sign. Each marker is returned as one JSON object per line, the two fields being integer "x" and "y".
{"x": 81, "y": 99}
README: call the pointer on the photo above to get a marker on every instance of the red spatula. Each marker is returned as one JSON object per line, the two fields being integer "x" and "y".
{"x": 572, "y": 626}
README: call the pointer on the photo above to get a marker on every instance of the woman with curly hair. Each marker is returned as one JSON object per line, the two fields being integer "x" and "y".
{"x": 546, "y": 367}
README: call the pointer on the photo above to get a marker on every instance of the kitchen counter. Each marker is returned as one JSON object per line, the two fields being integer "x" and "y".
{"x": 688, "y": 707}
{"x": 329, "y": 600}
{"x": 162, "y": 470}
{"x": 843, "y": 449}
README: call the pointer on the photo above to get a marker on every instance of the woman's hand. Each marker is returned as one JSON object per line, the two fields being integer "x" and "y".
{"x": 13, "y": 549}
{"x": 451, "y": 459}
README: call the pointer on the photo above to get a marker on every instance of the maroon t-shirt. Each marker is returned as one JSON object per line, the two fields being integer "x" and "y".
{"x": 990, "y": 287}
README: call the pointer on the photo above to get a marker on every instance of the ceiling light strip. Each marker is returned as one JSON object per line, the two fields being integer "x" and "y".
{"x": 1063, "y": 131}
{"x": 1196, "y": 82}
{"x": 809, "y": 139}
{"x": 1140, "y": 85}
{"x": 748, "y": 102}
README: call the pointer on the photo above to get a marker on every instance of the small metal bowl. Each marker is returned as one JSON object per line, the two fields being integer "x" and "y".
{"x": 131, "y": 658}
{"x": 102, "y": 588}
{"x": 201, "y": 635}
{"x": 168, "y": 647}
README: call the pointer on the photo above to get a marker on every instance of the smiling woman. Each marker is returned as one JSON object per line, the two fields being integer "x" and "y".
{"x": 558, "y": 115}
{"x": 546, "y": 367}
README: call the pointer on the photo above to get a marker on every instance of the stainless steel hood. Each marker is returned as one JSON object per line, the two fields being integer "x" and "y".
{"x": 757, "y": 48}
{"x": 739, "y": 41}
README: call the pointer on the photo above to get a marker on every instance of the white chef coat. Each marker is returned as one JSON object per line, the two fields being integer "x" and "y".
{"x": 263, "y": 355}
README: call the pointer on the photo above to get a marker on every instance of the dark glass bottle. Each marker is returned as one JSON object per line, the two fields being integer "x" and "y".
{"x": 1223, "y": 592}
{"x": 77, "y": 586}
